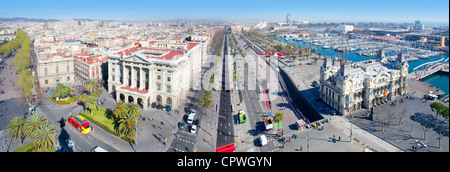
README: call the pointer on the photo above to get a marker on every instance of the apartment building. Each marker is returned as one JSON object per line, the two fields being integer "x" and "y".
{"x": 88, "y": 66}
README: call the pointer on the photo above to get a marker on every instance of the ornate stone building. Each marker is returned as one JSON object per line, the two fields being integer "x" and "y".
{"x": 158, "y": 76}
{"x": 351, "y": 86}
{"x": 55, "y": 68}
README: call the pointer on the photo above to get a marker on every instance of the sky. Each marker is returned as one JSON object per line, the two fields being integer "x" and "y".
{"x": 397, "y": 11}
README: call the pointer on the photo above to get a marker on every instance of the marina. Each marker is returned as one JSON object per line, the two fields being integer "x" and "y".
{"x": 422, "y": 62}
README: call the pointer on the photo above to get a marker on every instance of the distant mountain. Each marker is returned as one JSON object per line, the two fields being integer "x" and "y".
{"x": 16, "y": 19}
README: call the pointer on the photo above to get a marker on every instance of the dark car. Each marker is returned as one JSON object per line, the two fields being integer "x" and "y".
{"x": 181, "y": 125}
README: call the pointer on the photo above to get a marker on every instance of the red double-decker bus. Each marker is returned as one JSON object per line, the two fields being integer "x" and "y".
{"x": 80, "y": 123}
{"x": 226, "y": 148}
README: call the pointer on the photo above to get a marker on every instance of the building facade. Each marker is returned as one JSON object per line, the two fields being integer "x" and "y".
{"x": 154, "y": 76}
{"x": 54, "y": 68}
{"x": 88, "y": 67}
{"x": 351, "y": 86}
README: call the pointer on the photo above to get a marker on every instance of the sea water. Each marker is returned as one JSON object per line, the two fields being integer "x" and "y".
{"x": 439, "y": 80}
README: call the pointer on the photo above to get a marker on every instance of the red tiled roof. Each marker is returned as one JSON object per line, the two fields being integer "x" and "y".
{"x": 134, "y": 89}
{"x": 171, "y": 55}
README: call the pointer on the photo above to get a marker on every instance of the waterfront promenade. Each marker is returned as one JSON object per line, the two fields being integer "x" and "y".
{"x": 308, "y": 72}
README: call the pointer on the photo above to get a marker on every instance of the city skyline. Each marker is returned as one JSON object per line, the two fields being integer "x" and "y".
{"x": 399, "y": 11}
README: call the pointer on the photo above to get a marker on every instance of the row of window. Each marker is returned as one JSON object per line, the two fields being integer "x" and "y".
{"x": 56, "y": 69}
{"x": 57, "y": 80}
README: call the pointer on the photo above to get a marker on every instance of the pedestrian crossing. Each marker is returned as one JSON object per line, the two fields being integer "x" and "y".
{"x": 182, "y": 143}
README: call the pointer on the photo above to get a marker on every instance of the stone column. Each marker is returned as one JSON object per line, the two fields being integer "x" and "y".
{"x": 145, "y": 104}
{"x": 149, "y": 79}
{"x": 133, "y": 77}
{"x": 141, "y": 79}
{"x": 125, "y": 75}
{"x": 117, "y": 68}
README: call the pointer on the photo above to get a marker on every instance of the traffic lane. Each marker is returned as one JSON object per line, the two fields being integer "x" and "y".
{"x": 83, "y": 142}
{"x": 225, "y": 128}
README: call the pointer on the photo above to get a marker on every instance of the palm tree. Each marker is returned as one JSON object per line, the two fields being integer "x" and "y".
{"x": 294, "y": 58}
{"x": 91, "y": 85}
{"x": 33, "y": 124}
{"x": 315, "y": 60}
{"x": 45, "y": 138}
{"x": 126, "y": 126}
{"x": 120, "y": 110}
{"x": 91, "y": 103}
{"x": 127, "y": 115}
{"x": 17, "y": 128}
{"x": 207, "y": 93}
{"x": 207, "y": 102}
{"x": 133, "y": 110}
{"x": 98, "y": 92}
{"x": 278, "y": 118}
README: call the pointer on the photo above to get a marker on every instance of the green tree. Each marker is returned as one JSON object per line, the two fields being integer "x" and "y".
{"x": 60, "y": 91}
{"x": 294, "y": 58}
{"x": 120, "y": 109}
{"x": 45, "y": 138}
{"x": 91, "y": 103}
{"x": 127, "y": 125}
{"x": 207, "y": 102}
{"x": 207, "y": 93}
{"x": 315, "y": 60}
{"x": 278, "y": 118}
{"x": 33, "y": 124}
{"x": 133, "y": 110}
{"x": 17, "y": 128}
{"x": 440, "y": 109}
{"x": 26, "y": 81}
{"x": 320, "y": 54}
{"x": 91, "y": 85}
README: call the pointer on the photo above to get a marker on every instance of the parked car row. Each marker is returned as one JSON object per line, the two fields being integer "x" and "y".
{"x": 190, "y": 120}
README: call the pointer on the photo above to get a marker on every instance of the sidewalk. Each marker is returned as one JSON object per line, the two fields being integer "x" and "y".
{"x": 363, "y": 137}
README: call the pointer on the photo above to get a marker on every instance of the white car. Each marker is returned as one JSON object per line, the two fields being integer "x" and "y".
{"x": 191, "y": 117}
{"x": 263, "y": 140}
{"x": 194, "y": 129}
{"x": 69, "y": 143}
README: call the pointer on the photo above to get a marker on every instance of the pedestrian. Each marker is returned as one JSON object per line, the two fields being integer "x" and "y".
{"x": 301, "y": 148}
{"x": 339, "y": 138}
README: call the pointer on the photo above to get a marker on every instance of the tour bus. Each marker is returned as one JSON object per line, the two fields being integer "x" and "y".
{"x": 80, "y": 123}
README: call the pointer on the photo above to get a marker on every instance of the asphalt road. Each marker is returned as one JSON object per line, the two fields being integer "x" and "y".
{"x": 83, "y": 143}
{"x": 225, "y": 130}
{"x": 14, "y": 105}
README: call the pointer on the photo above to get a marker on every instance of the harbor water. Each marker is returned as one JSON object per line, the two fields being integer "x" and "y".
{"x": 440, "y": 80}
